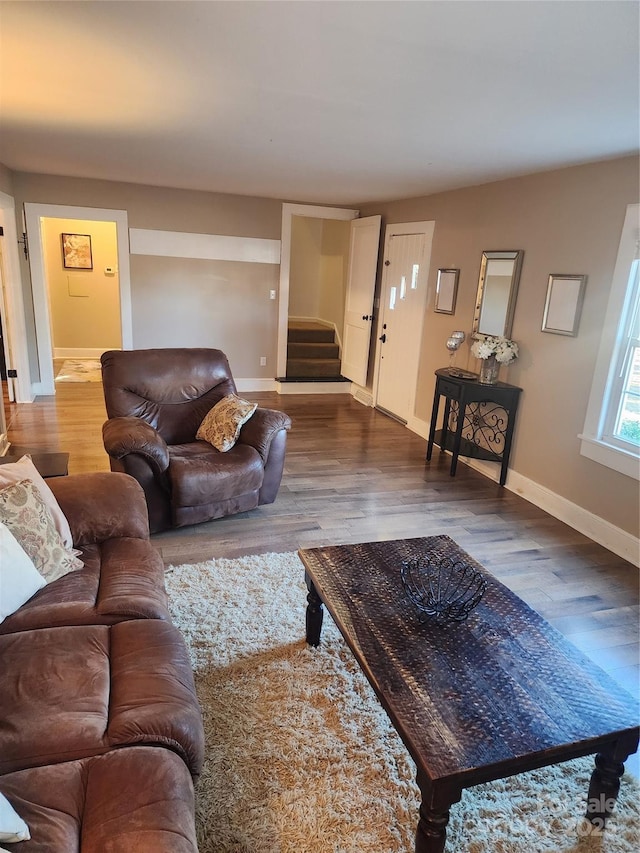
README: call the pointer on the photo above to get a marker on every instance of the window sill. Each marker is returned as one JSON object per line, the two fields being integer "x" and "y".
{"x": 613, "y": 457}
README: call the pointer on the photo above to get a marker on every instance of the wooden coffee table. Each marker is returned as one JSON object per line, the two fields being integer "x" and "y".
{"x": 497, "y": 695}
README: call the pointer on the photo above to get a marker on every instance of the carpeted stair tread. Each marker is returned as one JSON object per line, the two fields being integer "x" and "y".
{"x": 313, "y": 367}
{"x": 312, "y": 350}
{"x": 301, "y": 332}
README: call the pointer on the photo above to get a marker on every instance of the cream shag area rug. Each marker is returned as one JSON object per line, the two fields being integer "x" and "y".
{"x": 301, "y": 758}
{"x": 80, "y": 370}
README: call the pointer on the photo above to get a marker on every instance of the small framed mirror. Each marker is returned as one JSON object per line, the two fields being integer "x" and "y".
{"x": 497, "y": 292}
{"x": 564, "y": 301}
{"x": 446, "y": 291}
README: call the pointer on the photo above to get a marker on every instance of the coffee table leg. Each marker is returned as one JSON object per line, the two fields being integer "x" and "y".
{"x": 603, "y": 789}
{"x": 314, "y": 614}
{"x": 432, "y": 830}
{"x": 431, "y": 834}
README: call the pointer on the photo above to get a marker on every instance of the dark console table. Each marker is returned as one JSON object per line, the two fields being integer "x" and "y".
{"x": 478, "y": 419}
{"x": 48, "y": 463}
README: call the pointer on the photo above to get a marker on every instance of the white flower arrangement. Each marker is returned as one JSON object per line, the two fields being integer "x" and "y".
{"x": 504, "y": 350}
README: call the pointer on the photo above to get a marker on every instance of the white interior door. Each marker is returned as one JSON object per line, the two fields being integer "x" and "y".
{"x": 358, "y": 314}
{"x": 402, "y": 307}
{"x": 4, "y": 332}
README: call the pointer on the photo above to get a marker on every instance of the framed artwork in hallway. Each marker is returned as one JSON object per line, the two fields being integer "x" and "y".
{"x": 76, "y": 252}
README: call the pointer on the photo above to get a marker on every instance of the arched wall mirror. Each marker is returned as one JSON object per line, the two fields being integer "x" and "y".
{"x": 497, "y": 292}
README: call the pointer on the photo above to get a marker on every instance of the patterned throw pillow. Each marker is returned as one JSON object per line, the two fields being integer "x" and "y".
{"x": 24, "y": 469}
{"x": 28, "y": 518}
{"x": 222, "y": 424}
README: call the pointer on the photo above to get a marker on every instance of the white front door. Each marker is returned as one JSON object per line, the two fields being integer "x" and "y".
{"x": 403, "y": 302}
{"x": 358, "y": 311}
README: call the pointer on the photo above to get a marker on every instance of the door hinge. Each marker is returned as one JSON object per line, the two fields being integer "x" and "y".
{"x": 1, "y": 231}
{"x": 25, "y": 244}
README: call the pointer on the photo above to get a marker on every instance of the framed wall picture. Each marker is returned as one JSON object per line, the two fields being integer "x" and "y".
{"x": 76, "y": 252}
{"x": 563, "y": 304}
{"x": 446, "y": 291}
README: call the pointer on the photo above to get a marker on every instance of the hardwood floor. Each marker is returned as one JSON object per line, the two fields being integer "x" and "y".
{"x": 354, "y": 475}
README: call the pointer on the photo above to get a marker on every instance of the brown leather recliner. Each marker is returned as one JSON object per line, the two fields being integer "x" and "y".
{"x": 156, "y": 399}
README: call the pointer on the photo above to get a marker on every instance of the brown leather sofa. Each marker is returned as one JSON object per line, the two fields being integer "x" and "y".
{"x": 100, "y": 728}
{"x": 156, "y": 399}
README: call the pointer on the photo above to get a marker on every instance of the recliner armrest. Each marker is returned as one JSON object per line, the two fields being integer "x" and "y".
{"x": 260, "y": 429}
{"x": 101, "y": 505}
{"x": 122, "y": 436}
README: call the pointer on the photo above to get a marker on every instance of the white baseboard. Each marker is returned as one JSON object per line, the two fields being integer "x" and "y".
{"x": 79, "y": 352}
{"x": 245, "y": 385}
{"x": 612, "y": 538}
{"x": 418, "y": 426}
{"x": 313, "y": 387}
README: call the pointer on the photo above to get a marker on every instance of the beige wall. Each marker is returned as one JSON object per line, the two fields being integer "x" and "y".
{"x": 165, "y": 210}
{"x": 318, "y": 271}
{"x": 199, "y": 303}
{"x": 333, "y": 271}
{"x": 6, "y": 180}
{"x": 305, "y": 267}
{"x": 157, "y": 207}
{"x": 566, "y": 221}
{"x": 84, "y": 304}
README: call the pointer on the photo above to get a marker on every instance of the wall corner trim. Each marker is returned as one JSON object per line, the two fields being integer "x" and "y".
{"x": 211, "y": 247}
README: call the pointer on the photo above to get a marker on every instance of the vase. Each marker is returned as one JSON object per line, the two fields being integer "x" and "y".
{"x": 489, "y": 369}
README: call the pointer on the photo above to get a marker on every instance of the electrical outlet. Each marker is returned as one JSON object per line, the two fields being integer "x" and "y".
{"x": 263, "y": 361}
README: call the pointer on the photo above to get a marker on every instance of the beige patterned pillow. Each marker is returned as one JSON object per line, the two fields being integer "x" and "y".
{"x": 25, "y": 513}
{"x": 222, "y": 424}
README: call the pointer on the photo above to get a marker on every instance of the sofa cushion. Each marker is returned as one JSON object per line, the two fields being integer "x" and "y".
{"x": 221, "y": 425}
{"x": 19, "y": 578}
{"x": 133, "y": 799}
{"x": 24, "y": 469}
{"x": 28, "y": 518}
{"x": 121, "y": 579}
{"x": 199, "y": 474}
{"x": 68, "y": 693}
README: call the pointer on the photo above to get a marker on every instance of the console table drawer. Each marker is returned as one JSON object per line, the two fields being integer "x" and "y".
{"x": 449, "y": 389}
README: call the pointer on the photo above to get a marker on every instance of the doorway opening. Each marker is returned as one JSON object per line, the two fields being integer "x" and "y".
{"x": 317, "y": 289}
{"x": 309, "y": 260}
{"x": 83, "y": 292}
{"x": 69, "y": 297}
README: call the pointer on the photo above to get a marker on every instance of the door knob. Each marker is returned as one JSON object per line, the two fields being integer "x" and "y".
{"x": 366, "y": 317}
{"x": 383, "y": 337}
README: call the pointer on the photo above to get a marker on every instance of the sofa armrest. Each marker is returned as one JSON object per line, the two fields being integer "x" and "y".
{"x": 261, "y": 428}
{"x": 122, "y": 436}
{"x": 101, "y": 506}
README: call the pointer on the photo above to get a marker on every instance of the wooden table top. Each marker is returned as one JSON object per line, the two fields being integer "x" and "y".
{"x": 499, "y": 694}
{"x": 48, "y": 463}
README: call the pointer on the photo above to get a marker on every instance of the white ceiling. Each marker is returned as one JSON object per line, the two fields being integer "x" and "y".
{"x": 316, "y": 100}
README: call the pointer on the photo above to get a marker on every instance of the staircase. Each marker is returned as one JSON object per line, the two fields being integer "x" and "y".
{"x": 312, "y": 353}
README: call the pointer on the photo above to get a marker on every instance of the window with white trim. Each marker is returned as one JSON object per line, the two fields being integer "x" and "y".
{"x": 612, "y": 427}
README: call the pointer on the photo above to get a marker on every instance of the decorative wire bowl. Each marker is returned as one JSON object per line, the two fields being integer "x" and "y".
{"x": 443, "y": 589}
